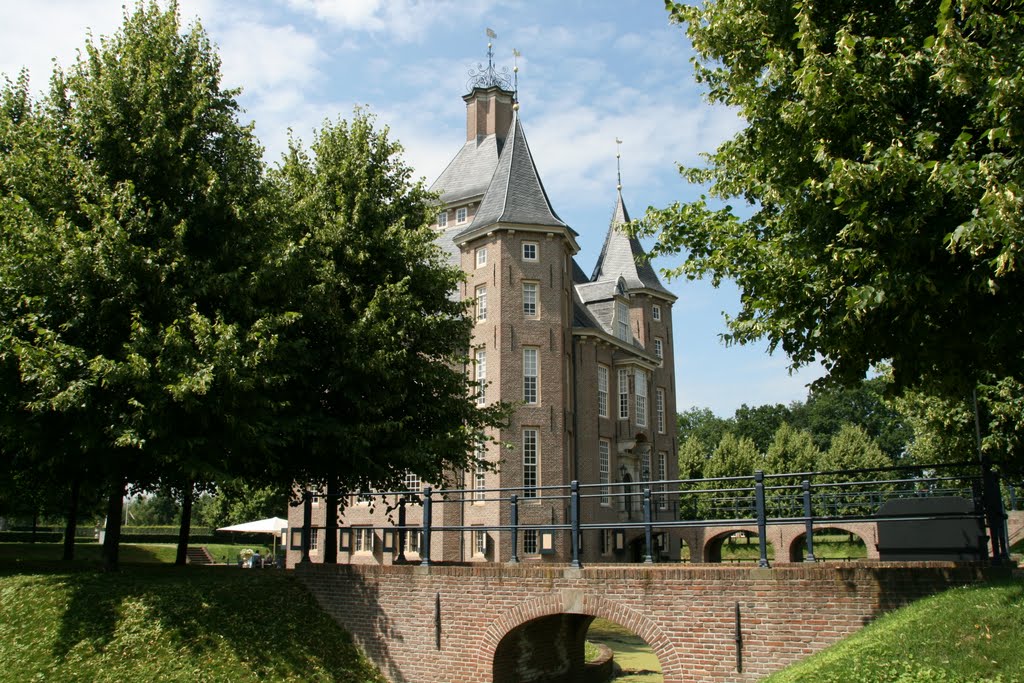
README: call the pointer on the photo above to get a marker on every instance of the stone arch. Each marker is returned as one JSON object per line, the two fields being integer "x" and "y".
{"x": 798, "y": 543}
{"x": 582, "y": 604}
{"x": 711, "y": 548}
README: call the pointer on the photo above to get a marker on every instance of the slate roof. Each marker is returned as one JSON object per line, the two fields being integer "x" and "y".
{"x": 468, "y": 174}
{"x": 515, "y": 193}
{"x": 623, "y": 256}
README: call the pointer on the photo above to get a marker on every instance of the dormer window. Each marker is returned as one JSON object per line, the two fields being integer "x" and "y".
{"x": 656, "y": 312}
{"x": 481, "y": 257}
{"x": 460, "y": 215}
{"x": 442, "y": 219}
{"x": 622, "y": 321}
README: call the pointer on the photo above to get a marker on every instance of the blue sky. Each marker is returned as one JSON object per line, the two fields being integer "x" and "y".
{"x": 590, "y": 71}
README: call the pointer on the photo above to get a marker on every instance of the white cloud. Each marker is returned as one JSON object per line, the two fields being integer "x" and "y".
{"x": 403, "y": 20}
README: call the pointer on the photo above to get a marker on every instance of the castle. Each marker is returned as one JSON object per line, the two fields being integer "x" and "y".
{"x": 588, "y": 361}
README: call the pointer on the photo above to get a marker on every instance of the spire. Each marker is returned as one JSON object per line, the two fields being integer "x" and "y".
{"x": 515, "y": 194}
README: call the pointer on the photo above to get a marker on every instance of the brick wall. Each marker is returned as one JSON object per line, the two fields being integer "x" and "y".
{"x": 492, "y": 613}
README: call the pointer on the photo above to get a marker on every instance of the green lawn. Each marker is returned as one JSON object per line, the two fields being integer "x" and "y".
{"x": 152, "y": 622}
{"x": 964, "y": 635}
{"x": 130, "y": 553}
{"x": 632, "y": 653}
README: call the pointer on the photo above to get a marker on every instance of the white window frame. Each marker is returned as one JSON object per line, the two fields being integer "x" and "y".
{"x": 442, "y": 219}
{"x": 656, "y": 312}
{"x": 531, "y": 299}
{"x": 531, "y": 461}
{"x": 480, "y": 294}
{"x": 602, "y": 391}
{"x": 640, "y": 391}
{"x": 530, "y": 542}
{"x": 481, "y": 257}
{"x": 662, "y": 476}
{"x": 531, "y": 375}
{"x": 411, "y": 481}
{"x": 659, "y": 408}
{"x": 479, "y": 543}
{"x": 623, "y": 387}
{"x": 645, "y": 466}
{"x": 604, "y": 459}
{"x": 413, "y": 541}
{"x": 314, "y": 541}
{"x": 531, "y": 246}
{"x": 622, "y": 321}
{"x": 461, "y": 214}
{"x": 659, "y": 347}
{"x": 480, "y": 370}
{"x": 362, "y": 540}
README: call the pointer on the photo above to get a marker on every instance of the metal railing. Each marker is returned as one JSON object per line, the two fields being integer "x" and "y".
{"x": 758, "y": 500}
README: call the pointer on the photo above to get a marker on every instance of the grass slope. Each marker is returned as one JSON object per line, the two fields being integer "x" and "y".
{"x": 965, "y": 635}
{"x": 165, "y": 623}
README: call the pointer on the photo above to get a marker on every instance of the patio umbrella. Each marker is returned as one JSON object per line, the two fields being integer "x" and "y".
{"x": 271, "y": 525}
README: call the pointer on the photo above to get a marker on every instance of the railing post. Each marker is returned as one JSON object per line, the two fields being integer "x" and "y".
{"x": 307, "y": 523}
{"x": 427, "y": 522}
{"x": 648, "y": 557}
{"x": 574, "y": 522}
{"x": 762, "y": 522}
{"x": 808, "y": 524}
{"x": 401, "y": 530}
{"x": 514, "y": 522}
{"x": 995, "y": 516}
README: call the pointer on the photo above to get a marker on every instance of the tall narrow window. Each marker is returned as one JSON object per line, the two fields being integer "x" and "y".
{"x": 530, "y": 375}
{"x": 363, "y": 539}
{"x": 460, "y": 215}
{"x": 442, "y": 219}
{"x": 480, "y": 474}
{"x": 602, "y": 391}
{"x": 412, "y": 542}
{"x": 479, "y": 543}
{"x": 530, "y": 542}
{"x": 656, "y": 312}
{"x": 481, "y": 303}
{"x": 481, "y": 257}
{"x": 481, "y": 376}
{"x": 314, "y": 540}
{"x": 645, "y": 466}
{"x": 640, "y": 381}
{"x": 659, "y": 407}
{"x": 604, "y": 469}
{"x": 623, "y": 395}
{"x": 659, "y": 349}
{"x": 529, "y": 299}
{"x": 530, "y": 460}
{"x": 662, "y": 476}
{"x": 622, "y": 321}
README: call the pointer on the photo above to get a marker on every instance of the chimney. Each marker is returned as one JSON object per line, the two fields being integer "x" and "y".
{"x": 488, "y": 112}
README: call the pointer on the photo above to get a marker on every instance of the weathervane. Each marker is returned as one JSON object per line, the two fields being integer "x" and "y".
{"x": 516, "y": 54}
{"x": 618, "y": 162}
{"x": 489, "y": 77}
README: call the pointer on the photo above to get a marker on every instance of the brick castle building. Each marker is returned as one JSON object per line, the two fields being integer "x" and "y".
{"x": 588, "y": 361}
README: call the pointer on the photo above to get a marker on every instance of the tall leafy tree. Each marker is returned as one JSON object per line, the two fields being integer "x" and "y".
{"x": 132, "y": 226}
{"x": 881, "y": 164}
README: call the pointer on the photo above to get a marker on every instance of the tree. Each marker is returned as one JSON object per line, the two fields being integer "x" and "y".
{"x": 703, "y": 424}
{"x": 853, "y": 449}
{"x": 132, "y": 215}
{"x": 881, "y": 163}
{"x": 791, "y": 450}
{"x": 370, "y": 370}
{"x": 760, "y": 423}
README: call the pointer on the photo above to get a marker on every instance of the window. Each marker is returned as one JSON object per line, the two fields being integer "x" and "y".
{"x": 659, "y": 408}
{"x": 658, "y": 349}
{"x": 362, "y": 539}
{"x": 656, "y": 312}
{"x": 481, "y": 376}
{"x": 530, "y": 375}
{"x": 529, "y": 251}
{"x": 412, "y": 482}
{"x": 530, "y": 542}
{"x": 314, "y": 501}
{"x": 623, "y": 395}
{"x": 602, "y": 391}
{"x": 480, "y": 483}
{"x": 530, "y": 299}
{"x": 481, "y": 303}
{"x": 530, "y": 456}
{"x": 606, "y": 542}
{"x": 412, "y": 541}
{"x": 604, "y": 467}
{"x": 641, "y": 397}
{"x": 662, "y": 476}
{"x": 645, "y": 466}
{"x": 460, "y": 215}
{"x": 314, "y": 540}
{"x": 480, "y": 543}
{"x": 442, "y": 219}
{"x": 622, "y": 321}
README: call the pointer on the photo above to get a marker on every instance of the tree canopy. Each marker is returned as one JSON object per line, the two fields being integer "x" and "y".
{"x": 882, "y": 172}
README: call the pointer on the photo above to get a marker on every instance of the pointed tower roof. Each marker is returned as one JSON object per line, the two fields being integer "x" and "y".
{"x": 515, "y": 195}
{"x": 623, "y": 256}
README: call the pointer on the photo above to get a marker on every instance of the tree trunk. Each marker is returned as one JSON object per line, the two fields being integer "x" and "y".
{"x": 186, "y": 524}
{"x": 72, "y": 520}
{"x": 331, "y": 525}
{"x": 112, "y": 538}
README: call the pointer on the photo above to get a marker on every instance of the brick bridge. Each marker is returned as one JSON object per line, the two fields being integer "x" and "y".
{"x": 527, "y": 623}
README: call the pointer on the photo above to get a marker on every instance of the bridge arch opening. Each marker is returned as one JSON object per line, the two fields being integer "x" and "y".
{"x": 835, "y": 543}
{"x": 734, "y": 546}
